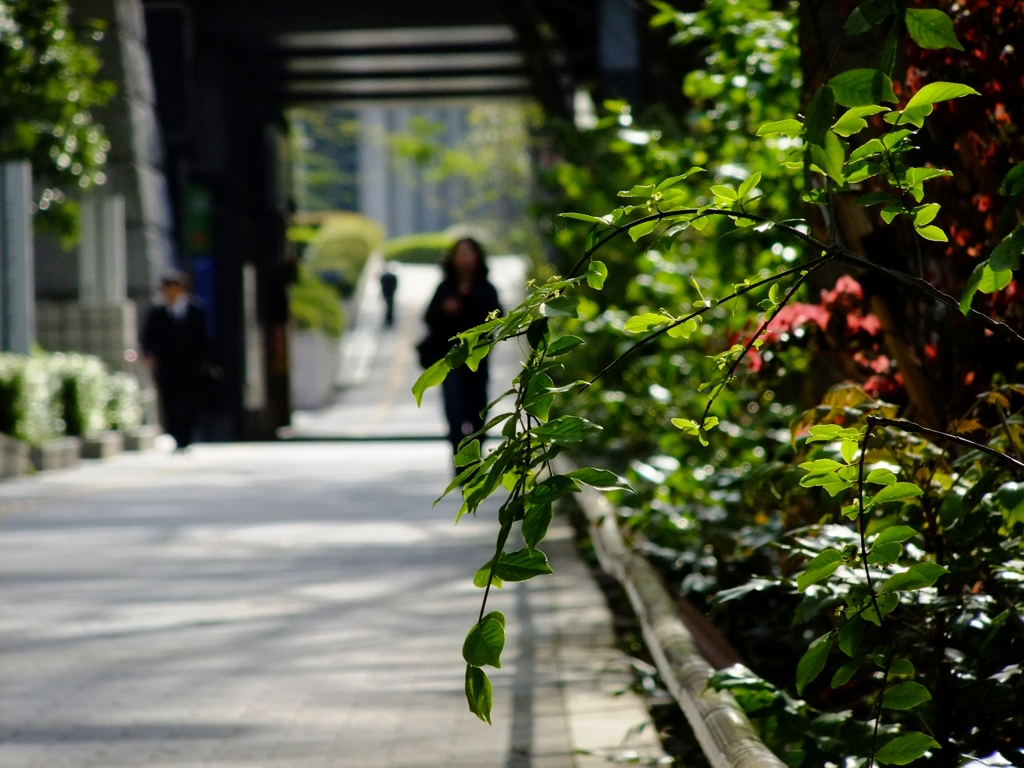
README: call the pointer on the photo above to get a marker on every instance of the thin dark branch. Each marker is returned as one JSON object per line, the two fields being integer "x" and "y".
{"x": 910, "y": 426}
{"x": 811, "y": 265}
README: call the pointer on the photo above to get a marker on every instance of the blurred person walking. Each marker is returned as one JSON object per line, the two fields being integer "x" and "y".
{"x": 463, "y": 300}
{"x": 174, "y": 345}
{"x": 388, "y": 287}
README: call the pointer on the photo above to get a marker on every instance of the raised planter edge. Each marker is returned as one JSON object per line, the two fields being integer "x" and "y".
{"x": 726, "y": 736}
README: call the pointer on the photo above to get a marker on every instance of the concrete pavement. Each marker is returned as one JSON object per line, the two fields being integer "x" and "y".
{"x": 286, "y": 605}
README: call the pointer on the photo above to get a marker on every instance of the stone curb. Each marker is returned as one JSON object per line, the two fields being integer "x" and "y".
{"x": 723, "y": 730}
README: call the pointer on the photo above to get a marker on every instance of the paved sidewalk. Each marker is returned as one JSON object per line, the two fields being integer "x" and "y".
{"x": 285, "y": 606}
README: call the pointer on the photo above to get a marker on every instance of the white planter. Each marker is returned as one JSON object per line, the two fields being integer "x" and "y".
{"x": 315, "y": 358}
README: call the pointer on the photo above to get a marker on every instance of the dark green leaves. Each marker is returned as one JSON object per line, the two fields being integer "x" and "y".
{"x": 553, "y": 489}
{"x": 812, "y": 662}
{"x": 820, "y": 113}
{"x": 866, "y": 15}
{"x": 563, "y": 345}
{"x": 485, "y": 641}
{"x": 850, "y": 635}
{"x": 535, "y": 524}
{"x": 905, "y": 749}
{"x": 905, "y": 695}
{"x": 601, "y": 479}
{"x": 566, "y": 430}
{"x": 479, "y": 693}
{"x": 931, "y": 28}
{"x": 862, "y": 88}
{"x": 1007, "y": 254}
{"x": 522, "y": 565}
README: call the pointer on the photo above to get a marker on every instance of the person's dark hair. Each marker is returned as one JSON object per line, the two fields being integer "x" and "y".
{"x": 448, "y": 263}
{"x": 174, "y": 277}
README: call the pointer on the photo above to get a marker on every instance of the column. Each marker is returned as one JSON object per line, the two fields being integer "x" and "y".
{"x": 17, "y": 284}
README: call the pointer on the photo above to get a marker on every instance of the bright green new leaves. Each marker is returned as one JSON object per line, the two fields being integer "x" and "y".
{"x": 896, "y": 492}
{"x": 905, "y": 749}
{"x": 986, "y": 280}
{"x": 918, "y": 576}
{"x": 597, "y": 273}
{"x": 923, "y": 102}
{"x": 790, "y": 128}
{"x": 586, "y": 217}
{"x": 826, "y": 433}
{"x": 812, "y": 662}
{"x": 930, "y": 28}
{"x": 852, "y": 120}
{"x": 905, "y": 696}
{"x": 601, "y": 479}
{"x": 431, "y": 377}
{"x": 522, "y": 565}
{"x": 645, "y": 322}
{"x": 700, "y": 431}
{"x": 468, "y": 454}
{"x": 563, "y": 345}
{"x": 862, "y": 88}
{"x": 821, "y": 567}
{"x": 479, "y": 693}
{"x": 485, "y": 641}
{"x": 643, "y": 228}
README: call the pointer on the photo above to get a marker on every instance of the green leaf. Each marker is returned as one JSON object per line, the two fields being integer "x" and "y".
{"x": 885, "y": 554}
{"x": 820, "y": 113}
{"x": 563, "y": 345}
{"x": 585, "y": 217}
{"x": 644, "y": 228}
{"x": 992, "y": 281}
{"x": 932, "y": 232}
{"x": 1006, "y": 255}
{"x": 537, "y": 332}
{"x": 845, "y": 672}
{"x": 566, "y": 429}
{"x": 901, "y": 668}
{"x": 866, "y": 15}
{"x": 830, "y": 158}
{"x": 645, "y": 322}
{"x": 748, "y": 184}
{"x": 485, "y": 642}
{"x": 923, "y": 102}
{"x": 553, "y": 488}
{"x": 535, "y": 524}
{"x": 638, "y": 190}
{"x": 821, "y": 567}
{"x": 1013, "y": 184}
{"x": 683, "y": 330}
{"x": 560, "y": 306}
{"x": 852, "y": 120}
{"x": 930, "y": 28}
{"x": 522, "y": 565}
{"x": 596, "y": 274}
{"x": 479, "y": 693}
{"x": 812, "y": 662}
{"x": 725, "y": 192}
{"x": 905, "y": 695}
{"x": 897, "y": 492}
{"x": 862, "y": 88}
{"x": 468, "y": 454}
{"x": 538, "y": 398}
{"x": 849, "y": 450}
{"x": 790, "y": 128}
{"x": 601, "y": 479}
{"x": 826, "y": 433}
{"x": 850, "y": 636}
{"x": 973, "y": 284}
{"x": 905, "y": 749}
{"x": 671, "y": 181}
{"x": 918, "y": 576}
{"x": 894, "y": 533}
{"x": 431, "y": 377}
{"x": 483, "y": 575}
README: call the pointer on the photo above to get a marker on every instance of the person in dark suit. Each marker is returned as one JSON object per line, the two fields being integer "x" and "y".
{"x": 174, "y": 344}
{"x": 463, "y": 300}
{"x": 388, "y": 286}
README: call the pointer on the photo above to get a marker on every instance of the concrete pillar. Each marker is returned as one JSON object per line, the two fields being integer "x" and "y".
{"x": 102, "y": 255}
{"x": 373, "y": 165}
{"x": 17, "y": 283}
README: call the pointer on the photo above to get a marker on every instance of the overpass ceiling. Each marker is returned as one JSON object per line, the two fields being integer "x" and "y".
{"x": 403, "y": 49}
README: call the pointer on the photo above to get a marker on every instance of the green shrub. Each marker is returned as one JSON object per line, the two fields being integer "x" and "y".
{"x": 341, "y": 246}
{"x": 124, "y": 405}
{"x": 421, "y": 248}
{"x": 27, "y": 404}
{"x": 316, "y": 306}
{"x": 83, "y": 394}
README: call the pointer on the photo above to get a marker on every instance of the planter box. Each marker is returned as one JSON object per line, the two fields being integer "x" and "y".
{"x": 103, "y": 446}
{"x": 13, "y": 457}
{"x": 56, "y": 454}
{"x": 315, "y": 358}
{"x": 141, "y": 438}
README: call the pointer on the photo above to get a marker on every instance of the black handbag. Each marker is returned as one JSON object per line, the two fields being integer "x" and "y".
{"x": 431, "y": 349}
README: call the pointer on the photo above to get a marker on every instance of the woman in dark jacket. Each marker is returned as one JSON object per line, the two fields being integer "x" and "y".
{"x": 463, "y": 299}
